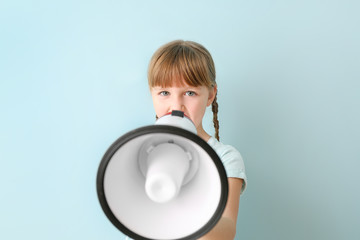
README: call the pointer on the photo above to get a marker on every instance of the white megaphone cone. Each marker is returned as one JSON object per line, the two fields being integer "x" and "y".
{"x": 162, "y": 182}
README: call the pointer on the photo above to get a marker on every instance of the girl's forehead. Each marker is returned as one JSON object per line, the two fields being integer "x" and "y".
{"x": 177, "y": 85}
{"x": 180, "y": 88}
{"x": 184, "y": 86}
{"x": 177, "y": 82}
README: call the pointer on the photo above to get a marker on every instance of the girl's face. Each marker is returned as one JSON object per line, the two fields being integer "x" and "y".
{"x": 191, "y": 100}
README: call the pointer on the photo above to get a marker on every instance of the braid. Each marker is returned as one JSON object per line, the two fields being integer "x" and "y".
{"x": 215, "y": 107}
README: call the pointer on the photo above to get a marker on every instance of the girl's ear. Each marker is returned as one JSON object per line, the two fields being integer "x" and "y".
{"x": 212, "y": 95}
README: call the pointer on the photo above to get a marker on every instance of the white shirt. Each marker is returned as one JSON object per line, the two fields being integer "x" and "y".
{"x": 231, "y": 159}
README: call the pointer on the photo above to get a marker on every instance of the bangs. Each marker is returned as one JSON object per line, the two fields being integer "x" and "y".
{"x": 179, "y": 65}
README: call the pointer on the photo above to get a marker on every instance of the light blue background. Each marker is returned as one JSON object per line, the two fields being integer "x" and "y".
{"x": 73, "y": 79}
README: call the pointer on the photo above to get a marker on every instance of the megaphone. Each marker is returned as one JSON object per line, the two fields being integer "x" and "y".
{"x": 162, "y": 182}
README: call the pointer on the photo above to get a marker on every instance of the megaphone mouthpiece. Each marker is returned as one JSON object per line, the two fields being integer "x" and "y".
{"x": 177, "y": 119}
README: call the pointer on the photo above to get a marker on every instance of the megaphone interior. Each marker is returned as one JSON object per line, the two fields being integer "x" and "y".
{"x": 162, "y": 182}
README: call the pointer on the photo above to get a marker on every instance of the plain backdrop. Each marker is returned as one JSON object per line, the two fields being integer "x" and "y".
{"x": 73, "y": 80}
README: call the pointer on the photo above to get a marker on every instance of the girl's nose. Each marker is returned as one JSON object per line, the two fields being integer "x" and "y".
{"x": 177, "y": 105}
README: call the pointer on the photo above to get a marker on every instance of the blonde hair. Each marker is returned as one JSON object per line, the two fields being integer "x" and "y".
{"x": 184, "y": 60}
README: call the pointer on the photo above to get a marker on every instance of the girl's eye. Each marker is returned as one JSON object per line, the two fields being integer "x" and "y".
{"x": 190, "y": 93}
{"x": 164, "y": 93}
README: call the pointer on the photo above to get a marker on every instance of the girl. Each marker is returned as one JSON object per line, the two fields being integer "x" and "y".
{"x": 181, "y": 77}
